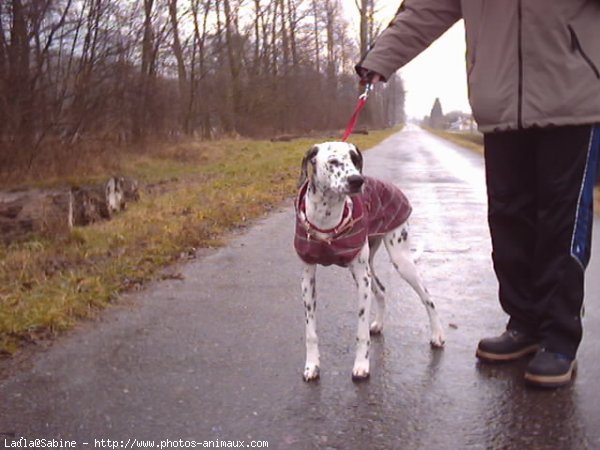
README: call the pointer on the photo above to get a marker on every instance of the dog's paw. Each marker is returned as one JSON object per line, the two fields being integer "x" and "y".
{"x": 376, "y": 328}
{"x": 437, "y": 340}
{"x": 360, "y": 372}
{"x": 311, "y": 372}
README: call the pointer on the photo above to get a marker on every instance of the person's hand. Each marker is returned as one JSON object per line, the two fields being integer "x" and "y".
{"x": 368, "y": 76}
{"x": 375, "y": 77}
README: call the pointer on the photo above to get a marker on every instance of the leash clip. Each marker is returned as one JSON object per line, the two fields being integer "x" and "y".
{"x": 366, "y": 92}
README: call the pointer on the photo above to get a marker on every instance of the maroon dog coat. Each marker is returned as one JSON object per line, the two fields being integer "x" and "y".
{"x": 380, "y": 208}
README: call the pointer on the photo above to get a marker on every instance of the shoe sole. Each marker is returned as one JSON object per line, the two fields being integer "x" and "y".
{"x": 552, "y": 381}
{"x": 502, "y": 357}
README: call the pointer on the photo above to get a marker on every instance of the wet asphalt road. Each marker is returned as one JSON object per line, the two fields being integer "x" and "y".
{"x": 219, "y": 354}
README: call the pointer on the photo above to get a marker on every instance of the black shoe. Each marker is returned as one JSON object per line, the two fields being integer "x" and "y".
{"x": 509, "y": 346}
{"x": 548, "y": 369}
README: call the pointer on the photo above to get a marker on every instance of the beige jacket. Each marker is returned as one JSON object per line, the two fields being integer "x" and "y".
{"x": 529, "y": 62}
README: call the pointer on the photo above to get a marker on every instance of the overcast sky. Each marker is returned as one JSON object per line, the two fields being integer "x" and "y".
{"x": 438, "y": 72}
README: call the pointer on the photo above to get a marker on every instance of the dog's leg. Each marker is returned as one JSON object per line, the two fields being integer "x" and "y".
{"x": 398, "y": 246}
{"x": 362, "y": 274}
{"x": 311, "y": 368}
{"x": 377, "y": 288}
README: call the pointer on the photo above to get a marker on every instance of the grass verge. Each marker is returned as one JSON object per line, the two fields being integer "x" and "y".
{"x": 194, "y": 194}
{"x": 474, "y": 141}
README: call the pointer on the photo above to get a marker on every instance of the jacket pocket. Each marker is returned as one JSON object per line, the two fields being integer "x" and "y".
{"x": 576, "y": 46}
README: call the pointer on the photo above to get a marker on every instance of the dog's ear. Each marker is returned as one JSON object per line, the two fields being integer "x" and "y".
{"x": 357, "y": 158}
{"x": 307, "y": 165}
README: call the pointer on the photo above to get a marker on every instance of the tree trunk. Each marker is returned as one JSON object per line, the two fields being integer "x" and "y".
{"x": 101, "y": 201}
{"x": 177, "y": 49}
{"x": 234, "y": 65}
{"x": 364, "y": 26}
{"x": 19, "y": 94}
{"x": 141, "y": 112}
{"x": 365, "y": 9}
{"x": 256, "y": 62}
{"x": 26, "y": 213}
{"x": 331, "y": 80}
{"x": 53, "y": 213}
{"x": 316, "y": 36}
{"x": 292, "y": 20}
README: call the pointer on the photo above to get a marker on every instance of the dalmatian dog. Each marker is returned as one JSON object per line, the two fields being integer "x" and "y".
{"x": 342, "y": 217}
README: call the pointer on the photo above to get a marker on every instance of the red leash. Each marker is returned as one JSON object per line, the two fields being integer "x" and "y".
{"x": 362, "y": 101}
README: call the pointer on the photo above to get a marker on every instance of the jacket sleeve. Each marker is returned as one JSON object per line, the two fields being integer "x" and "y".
{"x": 417, "y": 24}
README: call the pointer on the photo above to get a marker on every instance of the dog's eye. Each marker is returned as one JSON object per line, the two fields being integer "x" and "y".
{"x": 335, "y": 162}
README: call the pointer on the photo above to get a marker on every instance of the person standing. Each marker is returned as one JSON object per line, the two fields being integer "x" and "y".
{"x": 533, "y": 70}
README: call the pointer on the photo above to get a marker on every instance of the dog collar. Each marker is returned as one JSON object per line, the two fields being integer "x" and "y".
{"x": 312, "y": 231}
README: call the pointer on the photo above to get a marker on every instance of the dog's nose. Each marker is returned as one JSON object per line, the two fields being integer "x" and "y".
{"x": 355, "y": 182}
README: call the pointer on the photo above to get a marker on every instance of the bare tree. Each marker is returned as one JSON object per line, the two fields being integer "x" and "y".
{"x": 177, "y": 48}
{"x": 197, "y": 107}
{"x": 81, "y": 77}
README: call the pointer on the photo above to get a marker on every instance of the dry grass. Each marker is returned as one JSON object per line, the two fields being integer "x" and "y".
{"x": 195, "y": 193}
{"x": 474, "y": 141}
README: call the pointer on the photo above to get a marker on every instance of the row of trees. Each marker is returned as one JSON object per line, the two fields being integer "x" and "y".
{"x": 454, "y": 120}
{"x": 85, "y": 72}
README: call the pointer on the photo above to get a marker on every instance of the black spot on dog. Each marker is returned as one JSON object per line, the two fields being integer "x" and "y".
{"x": 380, "y": 285}
{"x": 404, "y": 234}
{"x": 431, "y": 305}
{"x": 308, "y": 308}
{"x": 361, "y": 312}
{"x": 366, "y": 280}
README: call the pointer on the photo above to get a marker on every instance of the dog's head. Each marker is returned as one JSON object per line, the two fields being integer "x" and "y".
{"x": 333, "y": 167}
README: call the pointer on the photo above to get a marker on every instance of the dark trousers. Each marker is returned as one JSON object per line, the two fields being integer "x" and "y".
{"x": 540, "y": 197}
